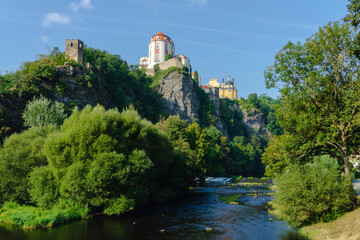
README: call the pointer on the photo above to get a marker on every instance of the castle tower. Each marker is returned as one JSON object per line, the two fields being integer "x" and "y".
{"x": 74, "y": 49}
{"x": 160, "y": 45}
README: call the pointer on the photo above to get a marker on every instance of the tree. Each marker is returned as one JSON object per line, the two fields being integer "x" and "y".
{"x": 320, "y": 86}
{"x": 354, "y": 19}
{"x": 313, "y": 192}
{"x": 41, "y": 112}
{"x": 20, "y": 154}
{"x": 196, "y": 77}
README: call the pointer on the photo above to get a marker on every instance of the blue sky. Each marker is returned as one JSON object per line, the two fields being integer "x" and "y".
{"x": 229, "y": 37}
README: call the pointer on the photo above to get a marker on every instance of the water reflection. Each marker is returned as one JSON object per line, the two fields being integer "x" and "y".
{"x": 200, "y": 215}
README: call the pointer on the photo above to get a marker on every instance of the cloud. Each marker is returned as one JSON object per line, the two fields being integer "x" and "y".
{"x": 44, "y": 38}
{"x": 197, "y": 2}
{"x": 54, "y": 17}
{"x": 86, "y": 4}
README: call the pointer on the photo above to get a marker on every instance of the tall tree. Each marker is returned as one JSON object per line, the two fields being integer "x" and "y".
{"x": 320, "y": 86}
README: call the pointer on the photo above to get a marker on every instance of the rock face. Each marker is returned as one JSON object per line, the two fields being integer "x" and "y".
{"x": 179, "y": 96}
{"x": 255, "y": 123}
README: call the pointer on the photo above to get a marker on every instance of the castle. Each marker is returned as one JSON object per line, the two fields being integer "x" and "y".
{"x": 162, "y": 52}
{"x": 74, "y": 49}
{"x": 224, "y": 90}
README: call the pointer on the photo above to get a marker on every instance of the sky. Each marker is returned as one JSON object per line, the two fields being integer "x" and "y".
{"x": 239, "y": 38}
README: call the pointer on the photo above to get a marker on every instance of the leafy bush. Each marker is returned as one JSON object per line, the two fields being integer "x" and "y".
{"x": 313, "y": 192}
{"x": 41, "y": 112}
{"x": 20, "y": 154}
{"x": 29, "y": 217}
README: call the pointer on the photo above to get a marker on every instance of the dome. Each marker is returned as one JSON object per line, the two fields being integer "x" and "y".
{"x": 159, "y": 36}
{"x": 229, "y": 83}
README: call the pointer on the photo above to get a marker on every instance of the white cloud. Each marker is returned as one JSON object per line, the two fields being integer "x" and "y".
{"x": 54, "y": 17}
{"x": 197, "y": 2}
{"x": 44, "y": 38}
{"x": 86, "y": 4}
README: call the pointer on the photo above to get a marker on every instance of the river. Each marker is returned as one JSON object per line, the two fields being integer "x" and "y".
{"x": 199, "y": 215}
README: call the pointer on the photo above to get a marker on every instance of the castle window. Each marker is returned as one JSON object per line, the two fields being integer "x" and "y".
{"x": 157, "y": 38}
{"x": 71, "y": 45}
{"x": 80, "y": 45}
{"x": 157, "y": 46}
{"x": 165, "y": 38}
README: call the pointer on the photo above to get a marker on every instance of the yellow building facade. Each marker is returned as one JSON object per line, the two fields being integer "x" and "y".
{"x": 226, "y": 89}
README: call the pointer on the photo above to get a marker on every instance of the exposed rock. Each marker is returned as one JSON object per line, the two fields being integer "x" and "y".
{"x": 255, "y": 123}
{"x": 179, "y": 96}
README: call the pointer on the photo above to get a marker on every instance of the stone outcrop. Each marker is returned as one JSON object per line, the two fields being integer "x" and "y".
{"x": 179, "y": 96}
{"x": 255, "y": 123}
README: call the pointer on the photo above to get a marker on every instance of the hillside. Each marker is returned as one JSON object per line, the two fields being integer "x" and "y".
{"x": 345, "y": 228}
{"x": 107, "y": 80}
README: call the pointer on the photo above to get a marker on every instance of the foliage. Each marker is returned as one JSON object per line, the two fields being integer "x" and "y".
{"x": 280, "y": 153}
{"x": 266, "y": 106}
{"x": 233, "y": 198}
{"x": 232, "y": 118}
{"x": 320, "y": 86}
{"x": 109, "y": 161}
{"x": 196, "y": 77}
{"x": 207, "y": 109}
{"x": 161, "y": 74}
{"x": 168, "y": 57}
{"x": 313, "y": 192}
{"x": 20, "y": 154}
{"x": 29, "y": 217}
{"x": 41, "y": 112}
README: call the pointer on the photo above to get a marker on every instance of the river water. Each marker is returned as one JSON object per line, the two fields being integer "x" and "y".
{"x": 199, "y": 215}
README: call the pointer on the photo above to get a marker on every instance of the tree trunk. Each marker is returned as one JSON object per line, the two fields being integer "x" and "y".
{"x": 346, "y": 164}
{"x": 344, "y": 150}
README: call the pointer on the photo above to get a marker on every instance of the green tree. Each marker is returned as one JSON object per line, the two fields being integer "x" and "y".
{"x": 354, "y": 19}
{"x": 41, "y": 112}
{"x": 313, "y": 192}
{"x": 196, "y": 77}
{"x": 320, "y": 86}
{"x": 20, "y": 154}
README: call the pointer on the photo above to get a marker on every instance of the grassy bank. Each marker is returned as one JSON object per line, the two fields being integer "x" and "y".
{"x": 346, "y": 227}
{"x": 29, "y": 217}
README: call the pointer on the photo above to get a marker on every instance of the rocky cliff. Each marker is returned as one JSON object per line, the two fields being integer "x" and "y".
{"x": 255, "y": 123}
{"x": 179, "y": 96}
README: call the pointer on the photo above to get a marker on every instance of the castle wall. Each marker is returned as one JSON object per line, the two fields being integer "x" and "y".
{"x": 74, "y": 49}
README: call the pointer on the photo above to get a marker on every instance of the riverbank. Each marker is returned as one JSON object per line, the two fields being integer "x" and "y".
{"x": 199, "y": 214}
{"x": 31, "y": 218}
{"x": 346, "y": 227}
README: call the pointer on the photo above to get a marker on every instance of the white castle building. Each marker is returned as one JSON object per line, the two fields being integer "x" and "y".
{"x": 159, "y": 47}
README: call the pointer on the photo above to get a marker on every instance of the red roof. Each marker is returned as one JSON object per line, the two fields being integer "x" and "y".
{"x": 159, "y": 36}
{"x": 204, "y": 86}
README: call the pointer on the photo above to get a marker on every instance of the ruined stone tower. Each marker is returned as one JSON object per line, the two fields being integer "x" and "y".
{"x": 74, "y": 49}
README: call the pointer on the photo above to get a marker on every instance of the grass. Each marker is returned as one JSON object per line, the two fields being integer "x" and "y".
{"x": 159, "y": 75}
{"x": 346, "y": 227}
{"x": 231, "y": 199}
{"x": 30, "y": 217}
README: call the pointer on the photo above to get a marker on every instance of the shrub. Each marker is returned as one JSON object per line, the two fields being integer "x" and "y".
{"x": 20, "y": 154}
{"x": 41, "y": 112}
{"x": 313, "y": 192}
